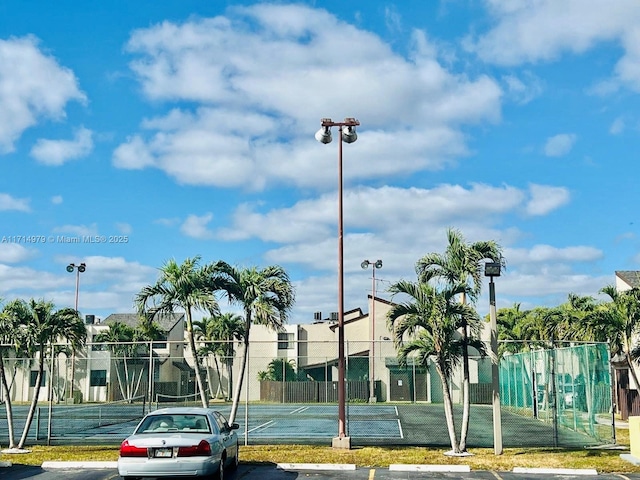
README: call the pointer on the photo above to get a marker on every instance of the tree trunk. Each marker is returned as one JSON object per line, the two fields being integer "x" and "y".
{"x": 466, "y": 400}
{"x": 243, "y": 367}
{"x": 196, "y": 364}
{"x": 7, "y": 403}
{"x": 448, "y": 411}
{"x": 34, "y": 401}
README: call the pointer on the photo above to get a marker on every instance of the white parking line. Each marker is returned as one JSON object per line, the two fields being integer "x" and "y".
{"x": 400, "y": 429}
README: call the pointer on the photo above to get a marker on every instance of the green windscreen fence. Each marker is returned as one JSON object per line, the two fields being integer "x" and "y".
{"x": 568, "y": 388}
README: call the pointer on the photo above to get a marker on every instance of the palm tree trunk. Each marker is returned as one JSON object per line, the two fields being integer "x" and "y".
{"x": 196, "y": 364}
{"x": 238, "y": 389}
{"x": 7, "y": 403}
{"x": 466, "y": 400}
{"x": 34, "y": 401}
{"x": 219, "y": 390}
{"x": 448, "y": 411}
{"x": 229, "y": 365}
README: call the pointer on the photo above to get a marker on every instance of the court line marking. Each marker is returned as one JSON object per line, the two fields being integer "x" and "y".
{"x": 299, "y": 410}
{"x": 495, "y": 474}
{"x": 260, "y": 426}
{"x": 400, "y": 428}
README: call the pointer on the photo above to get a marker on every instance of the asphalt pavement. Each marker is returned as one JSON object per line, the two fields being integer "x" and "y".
{"x": 108, "y": 471}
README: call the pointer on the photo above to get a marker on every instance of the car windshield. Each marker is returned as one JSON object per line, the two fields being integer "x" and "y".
{"x": 174, "y": 422}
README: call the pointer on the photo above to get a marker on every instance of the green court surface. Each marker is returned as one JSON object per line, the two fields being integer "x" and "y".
{"x": 367, "y": 424}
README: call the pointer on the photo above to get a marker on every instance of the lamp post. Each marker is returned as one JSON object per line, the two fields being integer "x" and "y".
{"x": 78, "y": 269}
{"x": 492, "y": 269}
{"x": 372, "y": 370}
{"x": 347, "y": 130}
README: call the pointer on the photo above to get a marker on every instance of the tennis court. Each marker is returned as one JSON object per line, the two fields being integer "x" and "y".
{"x": 367, "y": 424}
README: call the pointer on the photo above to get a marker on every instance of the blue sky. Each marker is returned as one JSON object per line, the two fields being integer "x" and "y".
{"x": 181, "y": 128}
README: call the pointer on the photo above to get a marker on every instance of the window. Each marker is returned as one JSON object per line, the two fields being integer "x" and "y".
{"x": 34, "y": 375}
{"x": 98, "y": 378}
{"x": 285, "y": 341}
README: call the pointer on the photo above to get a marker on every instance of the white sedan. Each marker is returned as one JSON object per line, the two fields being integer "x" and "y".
{"x": 174, "y": 442}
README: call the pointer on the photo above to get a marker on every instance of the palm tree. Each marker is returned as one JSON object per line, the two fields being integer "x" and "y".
{"x": 8, "y": 328}
{"x": 616, "y": 323}
{"x": 186, "y": 287}
{"x": 220, "y": 332}
{"x": 509, "y": 334}
{"x": 461, "y": 264}
{"x": 120, "y": 339}
{"x": 426, "y": 325}
{"x": 39, "y": 328}
{"x": 265, "y": 296}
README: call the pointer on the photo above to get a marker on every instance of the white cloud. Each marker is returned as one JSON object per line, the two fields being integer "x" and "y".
{"x": 57, "y": 199}
{"x": 196, "y": 226}
{"x": 32, "y": 86}
{"x": 58, "y": 152}
{"x": 559, "y": 145}
{"x": 549, "y": 253}
{"x": 250, "y": 83}
{"x": 385, "y": 209}
{"x": 7, "y": 202}
{"x": 544, "y": 30}
{"x": 543, "y": 199}
{"x": 14, "y": 252}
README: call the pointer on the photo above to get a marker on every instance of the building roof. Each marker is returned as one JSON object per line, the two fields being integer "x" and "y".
{"x": 166, "y": 321}
{"x": 630, "y": 277}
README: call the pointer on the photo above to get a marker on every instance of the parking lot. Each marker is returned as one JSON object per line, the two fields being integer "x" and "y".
{"x": 271, "y": 472}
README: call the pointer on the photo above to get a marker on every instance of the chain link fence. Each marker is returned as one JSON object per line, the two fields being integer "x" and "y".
{"x": 558, "y": 397}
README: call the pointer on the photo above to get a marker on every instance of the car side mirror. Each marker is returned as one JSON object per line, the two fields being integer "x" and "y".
{"x": 234, "y": 426}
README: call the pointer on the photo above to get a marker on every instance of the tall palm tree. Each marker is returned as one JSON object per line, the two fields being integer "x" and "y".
{"x": 40, "y": 327}
{"x": 460, "y": 263}
{"x": 265, "y": 296}
{"x": 616, "y": 322}
{"x": 187, "y": 287}
{"x": 427, "y": 326}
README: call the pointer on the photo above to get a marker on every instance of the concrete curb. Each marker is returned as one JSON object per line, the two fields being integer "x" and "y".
{"x": 557, "y": 471}
{"x": 63, "y": 465}
{"x": 429, "y": 468}
{"x": 316, "y": 466}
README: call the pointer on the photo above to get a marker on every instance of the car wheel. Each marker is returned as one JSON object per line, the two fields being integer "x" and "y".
{"x": 236, "y": 458}
{"x": 220, "y": 473}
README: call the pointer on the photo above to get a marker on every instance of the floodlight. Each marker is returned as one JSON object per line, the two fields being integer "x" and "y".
{"x": 378, "y": 264}
{"x": 324, "y": 135}
{"x": 70, "y": 267}
{"x": 82, "y": 267}
{"x": 492, "y": 269}
{"x": 349, "y": 134}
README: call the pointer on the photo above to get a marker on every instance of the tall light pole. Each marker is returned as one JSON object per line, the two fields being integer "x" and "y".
{"x": 78, "y": 269}
{"x": 372, "y": 365}
{"x": 492, "y": 269}
{"x": 348, "y": 135}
